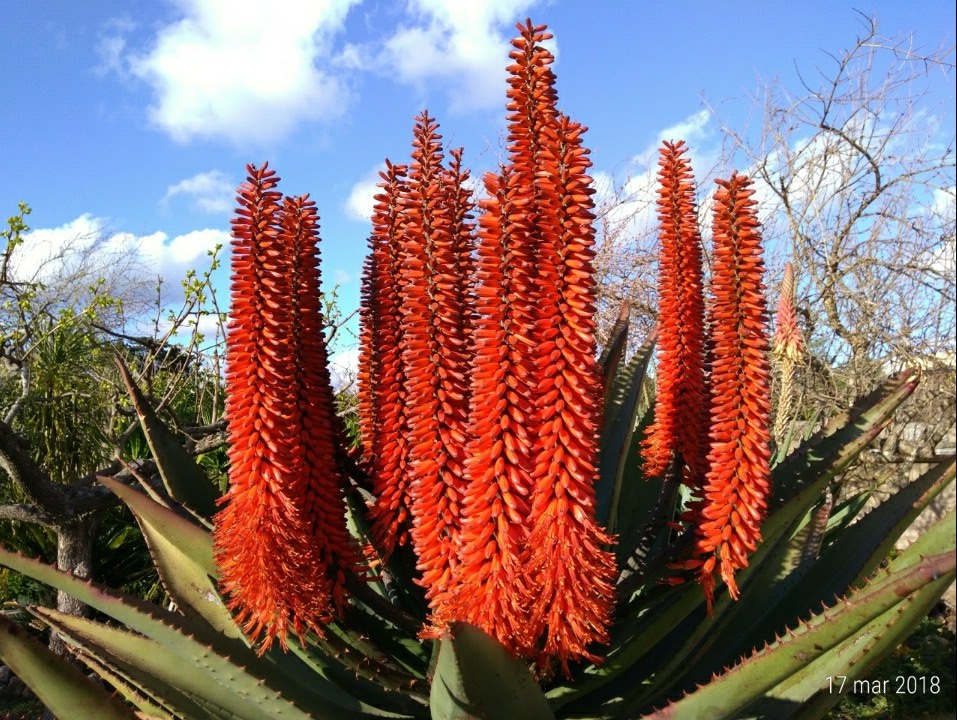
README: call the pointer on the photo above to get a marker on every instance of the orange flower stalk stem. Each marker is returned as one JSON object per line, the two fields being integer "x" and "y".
{"x": 738, "y": 480}
{"x": 679, "y": 429}
{"x": 383, "y": 407}
{"x": 277, "y": 542}
{"x": 435, "y": 312}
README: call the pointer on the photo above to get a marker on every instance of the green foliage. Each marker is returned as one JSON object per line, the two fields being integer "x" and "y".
{"x": 58, "y": 345}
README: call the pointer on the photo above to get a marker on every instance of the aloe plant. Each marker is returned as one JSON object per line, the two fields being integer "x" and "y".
{"x": 518, "y": 536}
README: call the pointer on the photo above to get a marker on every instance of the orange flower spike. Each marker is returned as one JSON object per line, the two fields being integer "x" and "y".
{"x": 532, "y": 99}
{"x": 679, "y": 425}
{"x": 738, "y": 482}
{"x": 488, "y": 586}
{"x": 320, "y": 485}
{"x": 788, "y": 340}
{"x": 260, "y": 535}
{"x": 382, "y": 394}
{"x": 434, "y": 313}
{"x": 573, "y": 578}
{"x": 458, "y": 200}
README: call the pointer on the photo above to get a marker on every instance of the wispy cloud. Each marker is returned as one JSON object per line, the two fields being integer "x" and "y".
{"x": 627, "y": 205}
{"x": 211, "y": 192}
{"x": 246, "y": 71}
{"x": 251, "y": 72}
{"x": 361, "y": 200}
{"x": 462, "y": 45}
{"x": 83, "y": 252}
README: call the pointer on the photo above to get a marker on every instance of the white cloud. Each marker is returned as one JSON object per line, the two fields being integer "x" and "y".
{"x": 250, "y": 72}
{"x": 627, "y": 206}
{"x": 945, "y": 202}
{"x": 247, "y": 71}
{"x": 72, "y": 257}
{"x": 361, "y": 201}
{"x": 211, "y": 192}
{"x": 464, "y": 44}
{"x": 45, "y": 251}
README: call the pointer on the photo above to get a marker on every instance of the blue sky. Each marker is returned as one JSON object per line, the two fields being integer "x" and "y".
{"x": 136, "y": 119}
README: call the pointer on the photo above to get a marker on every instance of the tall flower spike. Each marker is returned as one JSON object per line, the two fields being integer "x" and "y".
{"x": 572, "y": 575}
{"x": 435, "y": 310}
{"x": 788, "y": 350}
{"x": 319, "y": 486}
{"x": 788, "y": 340}
{"x": 383, "y": 404}
{"x": 679, "y": 426}
{"x": 738, "y": 480}
{"x": 488, "y": 588}
{"x": 262, "y": 541}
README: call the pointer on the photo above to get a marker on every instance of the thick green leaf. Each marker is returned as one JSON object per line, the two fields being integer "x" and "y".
{"x": 621, "y": 416}
{"x": 206, "y": 679}
{"x": 183, "y": 553}
{"x": 614, "y": 351}
{"x": 851, "y": 557}
{"x": 62, "y": 687}
{"x": 476, "y": 679}
{"x": 190, "y": 639}
{"x": 803, "y": 479}
{"x": 136, "y": 693}
{"x": 832, "y": 448}
{"x": 696, "y": 649}
{"x": 184, "y": 479}
{"x": 795, "y": 668}
{"x": 639, "y": 645}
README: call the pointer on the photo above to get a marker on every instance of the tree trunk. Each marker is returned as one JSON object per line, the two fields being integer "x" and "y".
{"x": 74, "y": 555}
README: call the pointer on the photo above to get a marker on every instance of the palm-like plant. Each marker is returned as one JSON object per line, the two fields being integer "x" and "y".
{"x": 515, "y": 539}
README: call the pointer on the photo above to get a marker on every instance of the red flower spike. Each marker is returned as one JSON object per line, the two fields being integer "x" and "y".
{"x": 264, "y": 542}
{"x": 532, "y": 101}
{"x": 738, "y": 480}
{"x": 383, "y": 407}
{"x": 679, "y": 426}
{"x": 488, "y": 587}
{"x": 458, "y": 200}
{"x": 435, "y": 313}
{"x": 572, "y": 576}
{"x": 788, "y": 340}
{"x": 320, "y": 483}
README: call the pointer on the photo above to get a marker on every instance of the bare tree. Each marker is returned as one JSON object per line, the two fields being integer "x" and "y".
{"x": 855, "y": 174}
{"x": 858, "y": 192}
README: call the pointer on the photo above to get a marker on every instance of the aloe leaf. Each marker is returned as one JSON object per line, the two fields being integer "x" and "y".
{"x": 60, "y": 686}
{"x": 190, "y": 639}
{"x": 135, "y": 693}
{"x": 358, "y": 677}
{"x": 183, "y": 553}
{"x": 869, "y": 612}
{"x": 661, "y": 647}
{"x": 214, "y": 683}
{"x": 184, "y": 479}
{"x": 834, "y": 446}
{"x": 646, "y": 506}
{"x": 614, "y": 351}
{"x": 639, "y": 644}
{"x": 855, "y": 554}
{"x": 806, "y": 473}
{"x": 476, "y": 679}
{"x": 396, "y": 576}
{"x": 621, "y": 414}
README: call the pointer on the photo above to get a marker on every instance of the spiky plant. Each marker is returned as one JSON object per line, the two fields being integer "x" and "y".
{"x": 526, "y": 548}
